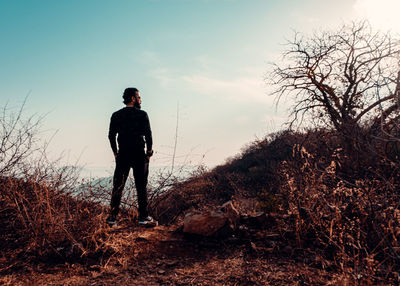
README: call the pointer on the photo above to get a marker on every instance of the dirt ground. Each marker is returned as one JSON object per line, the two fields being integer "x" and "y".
{"x": 165, "y": 256}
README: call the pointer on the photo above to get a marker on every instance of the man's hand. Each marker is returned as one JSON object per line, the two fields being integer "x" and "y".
{"x": 149, "y": 153}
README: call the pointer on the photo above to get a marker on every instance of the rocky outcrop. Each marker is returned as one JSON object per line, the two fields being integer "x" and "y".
{"x": 221, "y": 222}
{"x": 226, "y": 220}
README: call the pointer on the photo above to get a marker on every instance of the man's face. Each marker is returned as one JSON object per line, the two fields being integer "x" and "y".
{"x": 138, "y": 100}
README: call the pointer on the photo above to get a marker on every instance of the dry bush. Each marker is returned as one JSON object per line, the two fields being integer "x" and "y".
{"x": 47, "y": 213}
{"x": 179, "y": 196}
{"x": 41, "y": 216}
{"x": 343, "y": 207}
{"x": 39, "y": 221}
{"x": 356, "y": 224}
{"x": 251, "y": 174}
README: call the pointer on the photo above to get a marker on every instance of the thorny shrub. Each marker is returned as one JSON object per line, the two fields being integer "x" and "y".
{"x": 47, "y": 212}
{"x": 356, "y": 224}
{"x": 41, "y": 216}
{"x": 252, "y": 174}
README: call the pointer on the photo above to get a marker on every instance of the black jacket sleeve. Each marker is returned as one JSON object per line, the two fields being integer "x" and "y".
{"x": 147, "y": 133}
{"x": 112, "y": 134}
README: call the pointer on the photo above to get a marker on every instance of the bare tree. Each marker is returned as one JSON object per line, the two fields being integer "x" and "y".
{"x": 345, "y": 78}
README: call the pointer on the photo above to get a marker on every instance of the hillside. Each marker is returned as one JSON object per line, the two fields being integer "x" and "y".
{"x": 329, "y": 219}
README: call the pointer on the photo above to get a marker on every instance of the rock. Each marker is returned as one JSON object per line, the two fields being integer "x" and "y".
{"x": 212, "y": 223}
{"x": 206, "y": 224}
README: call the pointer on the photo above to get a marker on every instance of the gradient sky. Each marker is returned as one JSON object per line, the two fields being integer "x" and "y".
{"x": 75, "y": 58}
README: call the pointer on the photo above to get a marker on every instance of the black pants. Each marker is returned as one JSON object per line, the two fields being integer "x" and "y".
{"x": 138, "y": 161}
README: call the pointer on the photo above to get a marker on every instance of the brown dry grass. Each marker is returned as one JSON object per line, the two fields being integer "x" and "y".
{"x": 341, "y": 206}
{"x": 164, "y": 256}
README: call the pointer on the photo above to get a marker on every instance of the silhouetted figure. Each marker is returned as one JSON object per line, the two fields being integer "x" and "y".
{"x": 133, "y": 128}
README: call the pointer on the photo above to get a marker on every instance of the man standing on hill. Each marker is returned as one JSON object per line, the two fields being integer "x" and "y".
{"x": 133, "y": 128}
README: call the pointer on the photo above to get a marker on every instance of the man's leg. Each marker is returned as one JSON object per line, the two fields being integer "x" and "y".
{"x": 140, "y": 173}
{"x": 120, "y": 175}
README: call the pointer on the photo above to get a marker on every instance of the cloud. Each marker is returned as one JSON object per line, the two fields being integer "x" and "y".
{"x": 240, "y": 89}
{"x": 242, "y": 85}
{"x": 249, "y": 87}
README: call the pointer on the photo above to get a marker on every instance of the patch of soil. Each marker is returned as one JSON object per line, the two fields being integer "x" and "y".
{"x": 165, "y": 256}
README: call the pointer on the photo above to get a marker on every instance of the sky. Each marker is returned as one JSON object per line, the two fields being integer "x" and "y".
{"x": 199, "y": 65}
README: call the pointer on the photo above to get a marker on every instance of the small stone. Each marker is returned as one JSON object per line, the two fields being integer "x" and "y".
{"x": 161, "y": 271}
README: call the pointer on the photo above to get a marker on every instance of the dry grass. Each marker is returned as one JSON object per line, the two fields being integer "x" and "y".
{"x": 355, "y": 225}
{"x": 336, "y": 212}
{"x": 343, "y": 208}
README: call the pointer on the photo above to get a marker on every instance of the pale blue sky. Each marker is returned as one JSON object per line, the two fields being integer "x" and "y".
{"x": 76, "y": 58}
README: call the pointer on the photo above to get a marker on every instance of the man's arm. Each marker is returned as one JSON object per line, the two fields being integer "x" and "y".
{"x": 147, "y": 134}
{"x": 112, "y": 134}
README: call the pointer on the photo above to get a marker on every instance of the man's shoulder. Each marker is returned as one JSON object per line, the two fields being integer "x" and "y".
{"x": 141, "y": 111}
{"x": 118, "y": 112}
{"x": 131, "y": 110}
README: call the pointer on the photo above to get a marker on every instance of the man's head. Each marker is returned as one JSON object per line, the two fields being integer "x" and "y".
{"x": 132, "y": 95}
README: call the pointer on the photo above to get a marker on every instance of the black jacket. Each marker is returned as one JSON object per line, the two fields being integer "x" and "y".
{"x": 131, "y": 125}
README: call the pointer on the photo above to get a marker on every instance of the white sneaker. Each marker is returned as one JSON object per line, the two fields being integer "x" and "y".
{"x": 148, "y": 221}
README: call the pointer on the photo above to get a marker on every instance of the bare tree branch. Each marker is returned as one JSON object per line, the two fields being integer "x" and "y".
{"x": 347, "y": 75}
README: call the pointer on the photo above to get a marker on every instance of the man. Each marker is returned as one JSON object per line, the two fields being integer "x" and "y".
{"x": 131, "y": 124}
